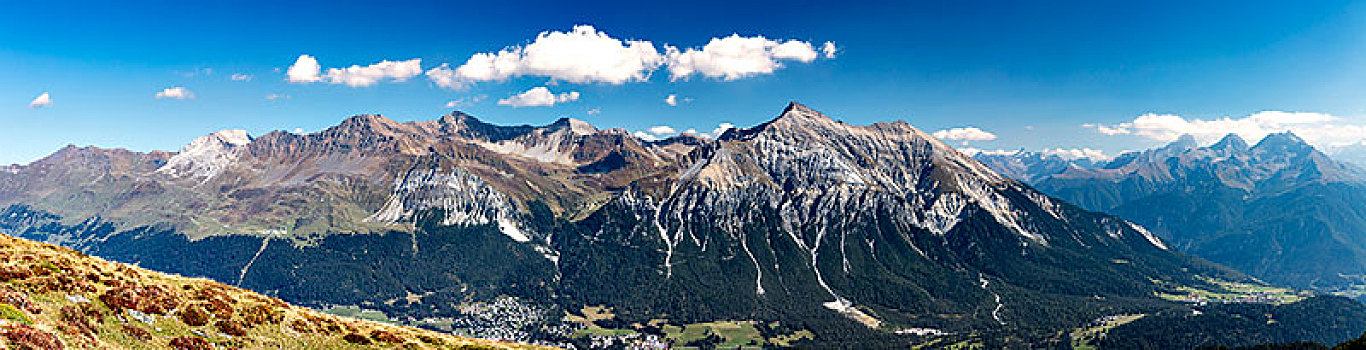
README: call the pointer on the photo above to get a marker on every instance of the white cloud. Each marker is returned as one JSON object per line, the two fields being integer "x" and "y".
{"x": 671, "y": 100}
{"x": 304, "y": 70}
{"x": 736, "y": 57}
{"x": 582, "y": 55}
{"x": 662, "y": 130}
{"x": 715, "y": 133}
{"x": 594, "y": 111}
{"x": 273, "y": 97}
{"x": 829, "y": 50}
{"x": 297, "y": 131}
{"x": 997, "y": 152}
{"x": 445, "y": 77}
{"x": 178, "y": 93}
{"x": 465, "y": 101}
{"x": 1316, "y": 128}
{"x": 538, "y": 97}
{"x": 586, "y": 55}
{"x": 1077, "y": 153}
{"x": 307, "y": 70}
{"x": 241, "y": 77}
{"x": 964, "y": 134}
{"x": 41, "y": 101}
{"x": 645, "y": 136}
{"x": 1107, "y": 130}
{"x": 359, "y": 76}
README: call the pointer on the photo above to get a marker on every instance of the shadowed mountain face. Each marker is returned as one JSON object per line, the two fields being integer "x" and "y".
{"x": 851, "y": 232}
{"x": 1279, "y": 210}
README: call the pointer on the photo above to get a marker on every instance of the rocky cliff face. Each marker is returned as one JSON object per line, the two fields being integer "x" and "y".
{"x": 855, "y": 231}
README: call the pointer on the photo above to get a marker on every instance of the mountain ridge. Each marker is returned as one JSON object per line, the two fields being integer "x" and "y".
{"x": 855, "y": 231}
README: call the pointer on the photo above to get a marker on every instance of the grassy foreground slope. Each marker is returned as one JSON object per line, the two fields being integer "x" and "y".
{"x": 55, "y": 298}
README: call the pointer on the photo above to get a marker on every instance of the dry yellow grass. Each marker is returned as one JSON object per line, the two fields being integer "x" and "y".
{"x": 65, "y": 299}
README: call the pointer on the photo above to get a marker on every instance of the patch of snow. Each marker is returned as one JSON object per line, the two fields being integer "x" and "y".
{"x": 1148, "y": 235}
{"x": 510, "y": 229}
{"x": 924, "y": 332}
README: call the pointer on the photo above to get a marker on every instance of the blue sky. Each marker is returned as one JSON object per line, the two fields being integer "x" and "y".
{"x": 1029, "y": 73}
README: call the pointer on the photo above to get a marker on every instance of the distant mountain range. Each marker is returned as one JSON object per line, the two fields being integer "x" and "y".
{"x": 801, "y": 229}
{"x": 1280, "y": 210}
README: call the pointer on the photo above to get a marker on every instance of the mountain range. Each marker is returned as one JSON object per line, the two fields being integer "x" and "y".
{"x": 1280, "y": 210}
{"x": 802, "y": 229}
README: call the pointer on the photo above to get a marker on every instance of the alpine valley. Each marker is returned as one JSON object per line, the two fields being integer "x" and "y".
{"x": 802, "y": 231}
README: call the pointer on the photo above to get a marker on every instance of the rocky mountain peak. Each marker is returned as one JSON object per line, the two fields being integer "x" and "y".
{"x": 1184, "y": 143}
{"x": 207, "y": 155}
{"x": 1284, "y": 142}
{"x": 364, "y": 124}
{"x": 1230, "y": 142}
{"x": 578, "y": 127}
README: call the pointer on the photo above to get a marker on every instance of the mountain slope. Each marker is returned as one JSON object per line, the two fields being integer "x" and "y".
{"x": 854, "y": 234}
{"x": 53, "y": 298}
{"x": 1279, "y": 210}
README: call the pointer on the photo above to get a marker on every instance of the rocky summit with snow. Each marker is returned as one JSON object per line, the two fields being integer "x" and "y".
{"x": 805, "y": 229}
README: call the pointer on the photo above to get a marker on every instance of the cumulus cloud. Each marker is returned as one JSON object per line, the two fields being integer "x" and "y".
{"x": 359, "y": 76}
{"x": 1316, "y": 128}
{"x": 539, "y": 96}
{"x": 445, "y": 77}
{"x": 964, "y": 134}
{"x": 273, "y": 97}
{"x": 41, "y": 101}
{"x": 736, "y": 57}
{"x": 304, "y": 70}
{"x": 582, "y": 55}
{"x": 307, "y": 70}
{"x": 720, "y": 129}
{"x": 1077, "y": 153}
{"x": 240, "y": 77}
{"x": 587, "y": 55}
{"x": 594, "y": 111}
{"x": 662, "y": 130}
{"x": 178, "y": 93}
{"x": 645, "y": 136}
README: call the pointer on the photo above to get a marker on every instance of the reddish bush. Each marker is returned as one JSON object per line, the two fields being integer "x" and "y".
{"x": 76, "y": 322}
{"x": 14, "y": 272}
{"x": 137, "y": 332}
{"x": 152, "y": 300}
{"x": 231, "y": 327}
{"x": 357, "y": 339}
{"x": 261, "y": 314}
{"x": 385, "y": 336}
{"x": 191, "y": 343}
{"x": 301, "y": 326}
{"x": 194, "y": 316}
{"x": 26, "y": 338}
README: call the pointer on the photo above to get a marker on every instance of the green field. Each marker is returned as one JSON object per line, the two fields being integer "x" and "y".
{"x": 1221, "y": 291}
{"x": 358, "y": 313}
{"x": 735, "y": 333}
